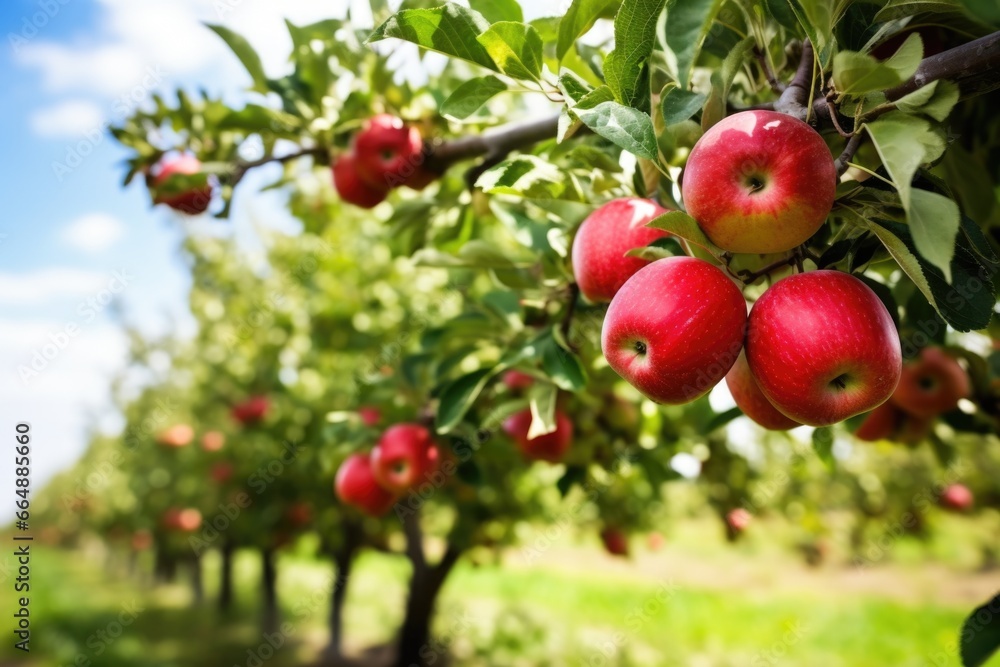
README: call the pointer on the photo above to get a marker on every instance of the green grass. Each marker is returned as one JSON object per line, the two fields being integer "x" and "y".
{"x": 574, "y": 607}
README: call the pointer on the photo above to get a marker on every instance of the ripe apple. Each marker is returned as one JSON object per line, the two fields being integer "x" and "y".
{"x": 403, "y": 457}
{"x": 188, "y": 520}
{"x": 655, "y": 542}
{"x": 759, "y": 182}
{"x": 882, "y": 423}
{"x": 956, "y": 497}
{"x": 388, "y": 153}
{"x": 299, "y": 514}
{"x": 931, "y": 384}
{"x": 252, "y": 410}
{"x": 178, "y": 435}
{"x": 192, "y": 202}
{"x": 355, "y": 485}
{"x": 822, "y": 347}
{"x": 752, "y": 401}
{"x": 615, "y": 541}
{"x": 600, "y": 264}
{"x": 171, "y": 518}
{"x": 517, "y": 381}
{"x": 351, "y": 188}
{"x": 213, "y": 441}
{"x": 550, "y": 447}
{"x": 675, "y": 329}
{"x": 221, "y": 472}
{"x": 738, "y": 519}
{"x": 370, "y": 415}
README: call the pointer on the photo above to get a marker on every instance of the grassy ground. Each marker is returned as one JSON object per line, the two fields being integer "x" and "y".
{"x": 695, "y": 604}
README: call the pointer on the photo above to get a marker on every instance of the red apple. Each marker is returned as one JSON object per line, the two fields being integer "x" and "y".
{"x": 171, "y": 518}
{"x": 517, "y": 381}
{"x": 931, "y": 384}
{"x": 956, "y": 497}
{"x": 299, "y": 514}
{"x": 351, "y": 188}
{"x": 370, "y": 416}
{"x": 822, "y": 347}
{"x": 221, "y": 472}
{"x": 600, "y": 264}
{"x": 759, "y": 182}
{"x": 178, "y": 435}
{"x": 882, "y": 423}
{"x": 213, "y": 441}
{"x": 675, "y": 329}
{"x": 655, "y": 542}
{"x": 403, "y": 457}
{"x": 388, "y": 153}
{"x": 752, "y": 401}
{"x": 193, "y": 201}
{"x": 188, "y": 520}
{"x": 550, "y": 447}
{"x": 355, "y": 485}
{"x": 615, "y": 541}
{"x": 738, "y": 519}
{"x": 252, "y": 410}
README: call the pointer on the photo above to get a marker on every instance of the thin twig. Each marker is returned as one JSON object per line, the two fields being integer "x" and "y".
{"x": 833, "y": 118}
{"x": 567, "y": 320}
{"x": 843, "y": 161}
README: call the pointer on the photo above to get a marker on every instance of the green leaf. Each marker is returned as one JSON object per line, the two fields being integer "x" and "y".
{"x": 526, "y": 176}
{"x": 936, "y": 99}
{"x": 897, "y": 9}
{"x": 687, "y": 26}
{"x": 722, "y": 79}
{"x": 498, "y": 10}
{"x": 624, "y": 126}
{"x": 677, "y": 104}
{"x": 563, "y": 367}
{"x": 683, "y": 225}
{"x": 934, "y": 221}
{"x": 967, "y": 302}
{"x": 471, "y": 95}
{"x": 723, "y": 418}
{"x": 822, "y": 441}
{"x": 626, "y": 69}
{"x": 658, "y": 249}
{"x": 857, "y": 73}
{"x": 580, "y": 18}
{"x": 247, "y": 55}
{"x": 980, "y": 636}
{"x": 516, "y": 48}
{"x": 816, "y": 19}
{"x": 573, "y": 475}
{"x": 450, "y": 29}
{"x": 543, "y": 409}
{"x": 458, "y": 396}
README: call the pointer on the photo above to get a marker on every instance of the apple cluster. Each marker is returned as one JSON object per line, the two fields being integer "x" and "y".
{"x": 386, "y": 154}
{"x": 930, "y": 385}
{"x": 192, "y": 201}
{"x": 550, "y": 447}
{"x": 816, "y": 348}
{"x": 404, "y": 457}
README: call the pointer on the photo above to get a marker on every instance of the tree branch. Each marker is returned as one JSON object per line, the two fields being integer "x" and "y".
{"x": 795, "y": 98}
{"x": 414, "y": 540}
{"x": 848, "y": 154}
{"x": 975, "y": 67}
{"x": 241, "y": 167}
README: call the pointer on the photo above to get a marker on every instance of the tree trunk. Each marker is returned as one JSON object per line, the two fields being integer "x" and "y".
{"x": 226, "y": 578}
{"x": 269, "y": 582}
{"x": 426, "y": 582}
{"x": 197, "y": 583}
{"x": 342, "y": 560}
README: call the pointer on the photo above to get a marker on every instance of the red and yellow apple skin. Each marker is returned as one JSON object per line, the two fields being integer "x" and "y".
{"x": 388, "y": 153}
{"x": 675, "y": 329}
{"x": 191, "y": 202}
{"x": 356, "y": 486}
{"x": 351, "y": 187}
{"x": 823, "y": 348}
{"x": 759, "y": 182}
{"x": 931, "y": 385}
{"x": 600, "y": 264}
{"x": 752, "y": 401}
{"x": 882, "y": 423}
{"x": 403, "y": 457}
{"x": 551, "y": 447}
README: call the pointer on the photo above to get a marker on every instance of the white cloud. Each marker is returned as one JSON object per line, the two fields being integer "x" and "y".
{"x": 69, "y": 119}
{"x": 32, "y": 287}
{"x": 93, "y": 232}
